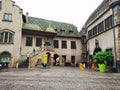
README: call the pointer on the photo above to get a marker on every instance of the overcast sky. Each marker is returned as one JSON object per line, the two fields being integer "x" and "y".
{"x": 70, "y": 11}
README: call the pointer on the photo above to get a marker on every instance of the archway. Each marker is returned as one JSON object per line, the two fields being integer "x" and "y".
{"x": 5, "y": 59}
{"x": 98, "y": 49}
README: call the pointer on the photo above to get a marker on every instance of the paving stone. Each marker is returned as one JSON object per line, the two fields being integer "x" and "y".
{"x": 57, "y": 78}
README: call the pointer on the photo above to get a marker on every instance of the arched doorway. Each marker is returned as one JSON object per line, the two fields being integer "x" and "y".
{"x": 5, "y": 58}
{"x": 98, "y": 49}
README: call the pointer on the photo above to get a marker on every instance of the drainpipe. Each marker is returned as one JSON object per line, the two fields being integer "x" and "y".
{"x": 115, "y": 53}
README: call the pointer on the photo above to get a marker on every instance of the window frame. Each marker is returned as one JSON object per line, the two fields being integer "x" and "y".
{"x": 101, "y": 27}
{"x": 73, "y": 44}
{"x": 29, "y": 41}
{"x": 6, "y": 37}
{"x": 109, "y": 22}
{"x": 90, "y": 33}
{"x": 71, "y": 32}
{"x": 7, "y": 17}
{"x": 56, "y": 43}
{"x": 64, "y": 44}
{"x": 62, "y": 31}
{"x": 95, "y": 30}
{"x": 38, "y": 41}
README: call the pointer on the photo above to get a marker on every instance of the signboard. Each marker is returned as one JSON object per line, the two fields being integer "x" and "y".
{"x": 44, "y": 58}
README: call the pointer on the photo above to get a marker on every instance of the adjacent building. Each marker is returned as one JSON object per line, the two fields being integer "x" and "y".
{"x": 10, "y": 31}
{"x": 102, "y": 30}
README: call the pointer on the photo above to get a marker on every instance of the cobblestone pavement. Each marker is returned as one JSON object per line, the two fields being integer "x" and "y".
{"x": 57, "y": 78}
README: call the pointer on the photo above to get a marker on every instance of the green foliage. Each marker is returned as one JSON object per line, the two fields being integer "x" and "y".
{"x": 103, "y": 56}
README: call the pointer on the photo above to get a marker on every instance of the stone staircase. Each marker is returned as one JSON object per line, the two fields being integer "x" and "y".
{"x": 22, "y": 62}
{"x": 34, "y": 59}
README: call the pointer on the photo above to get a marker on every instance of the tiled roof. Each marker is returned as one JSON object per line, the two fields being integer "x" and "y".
{"x": 95, "y": 12}
{"x": 51, "y": 26}
{"x": 31, "y": 27}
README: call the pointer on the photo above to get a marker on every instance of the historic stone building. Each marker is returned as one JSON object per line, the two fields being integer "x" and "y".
{"x": 10, "y": 31}
{"x": 102, "y": 30}
{"x": 21, "y": 35}
{"x": 58, "y": 39}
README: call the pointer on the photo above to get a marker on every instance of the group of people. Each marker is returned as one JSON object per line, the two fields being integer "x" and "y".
{"x": 88, "y": 64}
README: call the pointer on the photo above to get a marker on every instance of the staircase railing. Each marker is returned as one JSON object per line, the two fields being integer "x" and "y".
{"x": 23, "y": 58}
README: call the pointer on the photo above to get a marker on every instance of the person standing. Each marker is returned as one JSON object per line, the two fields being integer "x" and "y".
{"x": 34, "y": 51}
{"x": 28, "y": 57}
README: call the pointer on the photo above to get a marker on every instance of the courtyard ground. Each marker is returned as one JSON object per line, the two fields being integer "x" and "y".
{"x": 57, "y": 78}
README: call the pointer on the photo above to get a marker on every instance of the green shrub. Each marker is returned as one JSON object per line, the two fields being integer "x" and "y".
{"x": 103, "y": 56}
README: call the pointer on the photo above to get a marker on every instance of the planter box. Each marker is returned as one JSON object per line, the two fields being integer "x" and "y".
{"x": 102, "y": 67}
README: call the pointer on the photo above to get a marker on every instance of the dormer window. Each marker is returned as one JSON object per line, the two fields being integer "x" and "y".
{"x": 0, "y": 5}
{"x": 71, "y": 32}
{"x": 7, "y": 17}
{"x": 62, "y": 31}
{"x": 55, "y": 30}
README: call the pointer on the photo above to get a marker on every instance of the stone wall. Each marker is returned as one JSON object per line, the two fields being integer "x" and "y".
{"x": 15, "y": 26}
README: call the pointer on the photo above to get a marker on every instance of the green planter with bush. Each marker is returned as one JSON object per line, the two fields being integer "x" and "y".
{"x": 103, "y": 58}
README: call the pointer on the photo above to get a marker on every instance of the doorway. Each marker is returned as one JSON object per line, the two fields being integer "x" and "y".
{"x": 55, "y": 57}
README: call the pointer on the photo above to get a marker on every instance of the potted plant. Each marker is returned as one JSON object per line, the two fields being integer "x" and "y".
{"x": 103, "y": 58}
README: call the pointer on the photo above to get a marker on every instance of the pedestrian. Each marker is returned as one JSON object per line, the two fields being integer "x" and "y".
{"x": 81, "y": 67}
{"x": 28, "y": 56}
{"x": 28, "y": 59}
{"x": 93, "y": 66}
{"x": 57, "y": 61}
{"x": 34, "y": 51}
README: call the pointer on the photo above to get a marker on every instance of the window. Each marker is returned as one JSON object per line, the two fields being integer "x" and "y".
{"x": 108, "y": 23}
{"x": 109, "y": 49}
{"x": 56, "y": 30}
{"x": 29, "y": 41}
{"x": 73, "y": 45}
{"x": 0, "y": 5}
{"x": 64, "y": 44}
{"x": 38, "y": 42}
{"x": 71, "y": 32}
{"x": 95, "y": 30}
{"x": 6, "y": 37}
{"x": 56, "y": 44}
{"x": 62, "y": 31}
{"x": 100, "y": 27}
{"x": 7, "y": 17}
{"x": 90, "y": 33}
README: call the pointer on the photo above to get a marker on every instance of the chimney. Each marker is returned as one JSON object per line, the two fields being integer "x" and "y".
{"x": 26, "y": 17}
